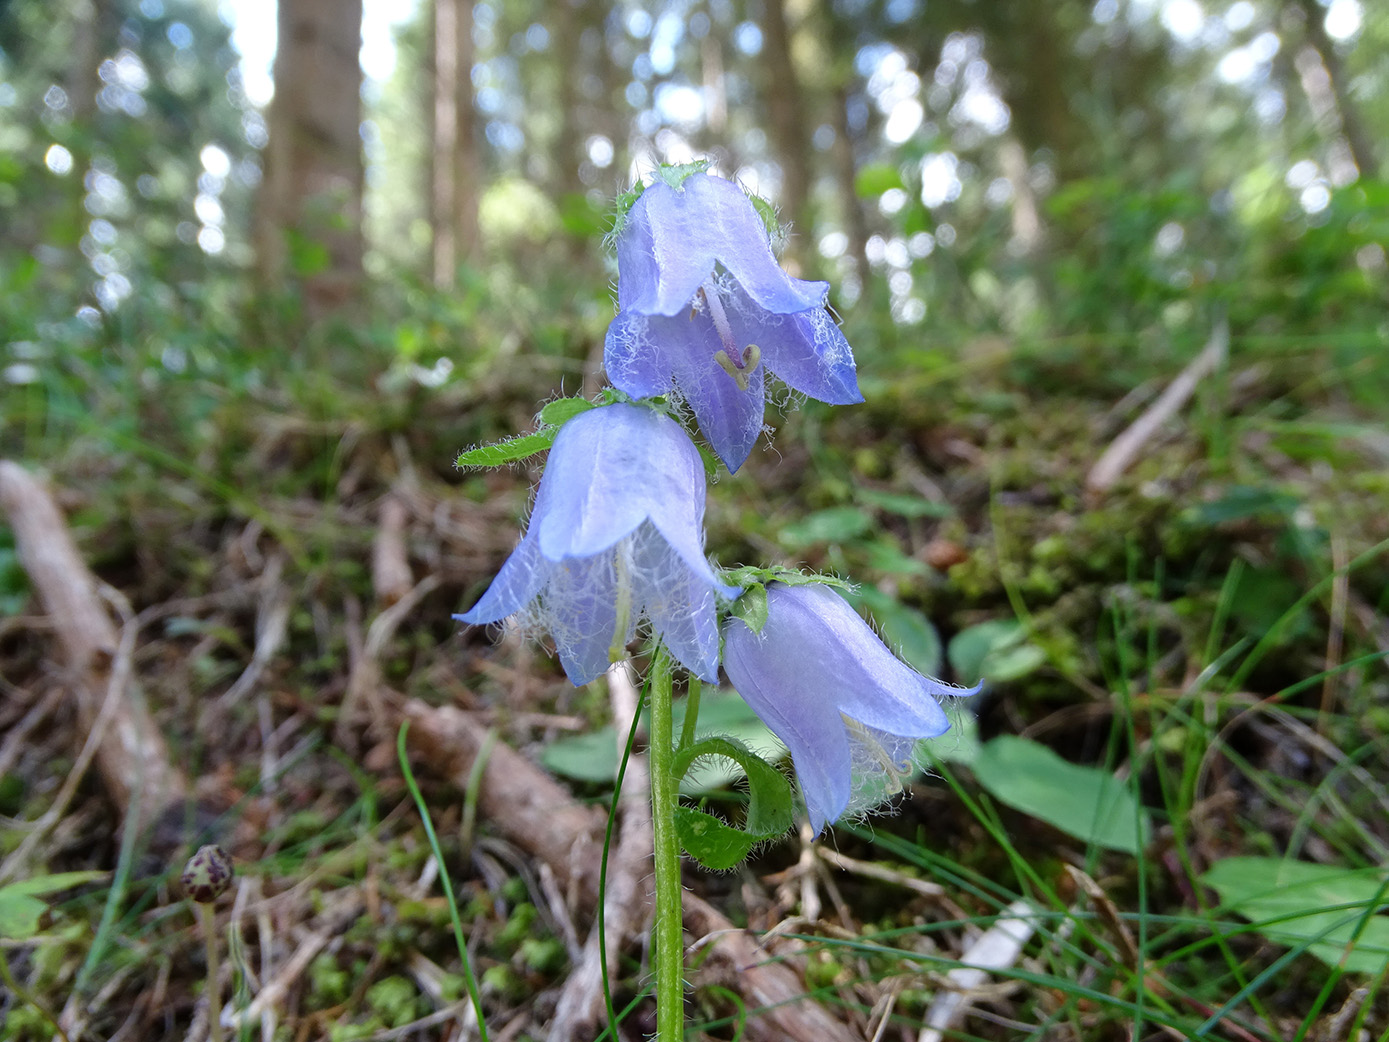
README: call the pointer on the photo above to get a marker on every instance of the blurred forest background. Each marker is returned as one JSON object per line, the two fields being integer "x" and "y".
{"x": 1115, "y": 275}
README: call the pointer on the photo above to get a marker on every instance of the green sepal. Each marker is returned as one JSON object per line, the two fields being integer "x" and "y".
{"x": 562, "y": 410}
{"x": 676, "y": 174}
{"x": 672, "y": 174}
{"x": 751, "y": 606}
{"x": 771, "y": 812}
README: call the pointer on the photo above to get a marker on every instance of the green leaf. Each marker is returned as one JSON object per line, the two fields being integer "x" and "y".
{"x": 770, "y": 811}
{"x": 562, "y": 410}
{"x": 590, "y": 757}
{"x": 872, "y": 181}
{"x": 20, "y": 910}
{"x": 884, "y": 555}
{"x": 1241, "y": 502}
{"x": 834, "y": 525}
{"x": 510, "y": 450}
{"x": 905, "y": 630}
{"x": 994, "y": 650}
{"x": 1086, "y": 802}
{"x": 1317, "y": 907}
{"x": 904, "y": 504}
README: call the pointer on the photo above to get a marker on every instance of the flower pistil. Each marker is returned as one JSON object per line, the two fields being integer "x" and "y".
{"x": 736, "y": 362}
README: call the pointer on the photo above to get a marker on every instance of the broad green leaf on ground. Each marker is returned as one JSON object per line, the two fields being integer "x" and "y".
{"x": 996, "y": 650}
{"x": 905, "y": 630}
{"x": 20, "y": 909}
{"x": 904, "y": 504}
{"x": 589, "y": 757}
{"x": 1086, "y": 802}
{"x": 832, "y": 525}
{"x": 1319, "y": 907}
{"x": 1239, "y": 502}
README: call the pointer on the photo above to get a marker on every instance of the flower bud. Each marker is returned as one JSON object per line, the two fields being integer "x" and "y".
{"x": 207, "y": 874}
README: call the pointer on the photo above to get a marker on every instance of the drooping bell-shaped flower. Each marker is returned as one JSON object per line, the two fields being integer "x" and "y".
{"x": 849, "y": 710}
{"x": 704, "y": 308}
{"x": 616, "y": 534}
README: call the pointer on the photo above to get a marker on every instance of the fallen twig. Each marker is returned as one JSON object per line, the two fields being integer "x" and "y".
{"x": 996, "y": 948}
{"x": 365, "y": 680}
{"x": 390, "y": 564}
{"x": 1123, "y": 449}
{"x": 129, "y": 751}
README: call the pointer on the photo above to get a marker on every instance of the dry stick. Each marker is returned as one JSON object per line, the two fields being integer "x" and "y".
{"x": 1122, "y": 451}
{"x": 778, "y": 1006}
{"x": 538, "y": 815}
{"x": 390, "y": 565}
{"x": 110, "y": 704}
{"x": 272, "y": 623}
{"x": 581, "y": 1000}
{"x": 130, "y": 752}
{"x": 365, "y": 680}
{"x": 997, "y": 948}
{"x": 272, "y": 992}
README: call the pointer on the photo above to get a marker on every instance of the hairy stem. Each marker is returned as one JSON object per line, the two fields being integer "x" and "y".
{"x": 208, "y": 920}
{"x": 687, "y": 732}
{"x": 668, "y": 942}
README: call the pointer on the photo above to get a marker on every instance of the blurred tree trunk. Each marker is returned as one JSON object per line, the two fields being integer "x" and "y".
{"x": 82, "y": 82}
{"x": 1358, "y": 139}
{"x": 311, "y": 208}
{"x": 454, "y": 166}
{"x": 845, "y": 176}
{"x": 786, "y": 112}
{"x": 569, "y": 147}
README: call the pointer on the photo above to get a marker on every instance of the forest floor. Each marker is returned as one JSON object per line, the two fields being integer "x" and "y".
{"x": 274, "y": 565}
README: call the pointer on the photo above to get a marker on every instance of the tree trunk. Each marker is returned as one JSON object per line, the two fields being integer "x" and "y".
{"x": 311, "y": 210}
{"x": 454, "y": 204}
{"x": 845, "y": 174}
{"x": 786, "y": 109}
{"x": 1358, "y": 139}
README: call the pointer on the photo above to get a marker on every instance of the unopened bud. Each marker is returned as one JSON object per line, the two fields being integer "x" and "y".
{"x": 207, "y": 874}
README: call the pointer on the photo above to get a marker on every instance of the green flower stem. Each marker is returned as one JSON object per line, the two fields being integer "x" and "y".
{"x": 668, "y": 939}
{"x": 207, "y": 919}
{"x": 687, "y": 733}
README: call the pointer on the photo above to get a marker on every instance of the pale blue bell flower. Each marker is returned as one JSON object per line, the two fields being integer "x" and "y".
{"x": 704, "y": 309}
{"x": 849, "y": 710}
{"x": 616, "y": 534}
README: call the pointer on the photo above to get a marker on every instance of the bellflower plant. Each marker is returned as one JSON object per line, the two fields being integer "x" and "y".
{"x": 616, "y": 533}
{"x": 616, "y": 536}
{"x": 704, "y": 309}
{"x": 849, "y": 710}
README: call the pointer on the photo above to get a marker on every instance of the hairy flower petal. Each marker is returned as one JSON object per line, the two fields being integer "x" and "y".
{"x": 825, "y": 684}
{"x": 616, "y": 533}
{"x": 705, "y": 311}
{"x": 673, "y": 237}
